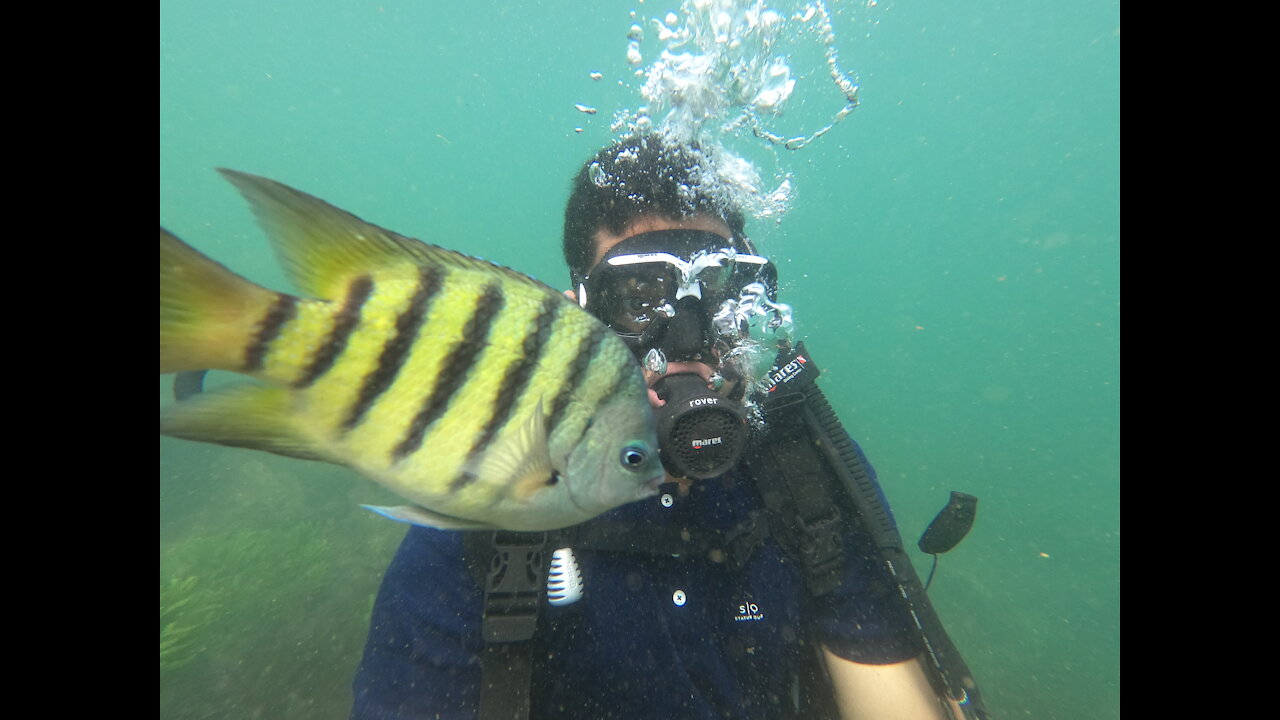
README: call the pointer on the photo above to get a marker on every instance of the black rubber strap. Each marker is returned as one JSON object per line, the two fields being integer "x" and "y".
{"x": 795, "y": 483}
{"x": 506, "y": 675}
{"x": 515, "y": 587}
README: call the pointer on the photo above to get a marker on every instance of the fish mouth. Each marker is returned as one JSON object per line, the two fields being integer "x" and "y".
{"x": 651, "y": 487}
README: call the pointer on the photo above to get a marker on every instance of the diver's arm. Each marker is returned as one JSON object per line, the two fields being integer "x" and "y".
{"x": 898, "y": 691}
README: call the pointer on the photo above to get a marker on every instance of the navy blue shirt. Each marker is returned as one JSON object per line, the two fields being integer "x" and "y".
{"x": 651, "y": 637}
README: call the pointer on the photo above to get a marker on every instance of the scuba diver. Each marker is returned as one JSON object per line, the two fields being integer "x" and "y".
{"x": 766, "y": 580}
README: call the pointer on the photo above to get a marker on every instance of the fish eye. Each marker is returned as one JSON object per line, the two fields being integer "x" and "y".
{"x": 633, "y": 457}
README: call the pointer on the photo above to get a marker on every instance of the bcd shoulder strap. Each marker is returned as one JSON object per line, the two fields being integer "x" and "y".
{"x": 795, "y": 479}
{"x": 512, "y": 569}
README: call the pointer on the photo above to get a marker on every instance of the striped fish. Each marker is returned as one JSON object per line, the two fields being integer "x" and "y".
{"x": 483, "y": 397}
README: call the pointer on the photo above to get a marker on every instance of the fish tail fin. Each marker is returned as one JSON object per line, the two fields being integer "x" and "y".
{"x": 251, "y": 416}
{"x": 208, "y": 314}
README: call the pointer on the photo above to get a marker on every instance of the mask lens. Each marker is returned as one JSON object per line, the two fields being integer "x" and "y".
{"x": 723, "y": 274}
{"x": 718, "y": 280}
{"x": 747, "y": 273}
{"x": 629, "y": 298}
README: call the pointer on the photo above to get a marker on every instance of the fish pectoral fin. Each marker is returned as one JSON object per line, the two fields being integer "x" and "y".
{"x": 415, "y": 515}
{"x": 522, "y": 459}
{"x": 260, "y": 417}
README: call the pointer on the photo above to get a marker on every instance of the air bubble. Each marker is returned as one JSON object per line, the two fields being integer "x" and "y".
{"x": 598, "y": 175}
{"x": 655, "y": 361}
{"x": 724, "y": 66}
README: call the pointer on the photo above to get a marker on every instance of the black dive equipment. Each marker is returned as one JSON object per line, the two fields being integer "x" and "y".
{"x": 700, "y": 434}
{"x": 951, "y": 524}
{"x": 948, "y": 528}
{"x": 795, "y": 401}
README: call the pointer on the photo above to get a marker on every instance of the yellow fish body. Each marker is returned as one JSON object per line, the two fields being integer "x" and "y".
{"x": 485, "y": 398}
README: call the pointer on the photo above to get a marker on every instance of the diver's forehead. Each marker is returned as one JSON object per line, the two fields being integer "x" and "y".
{"x": 606, "y": 240}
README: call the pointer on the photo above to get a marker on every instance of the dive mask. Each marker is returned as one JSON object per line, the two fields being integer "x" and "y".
{"x": 665, "y": 290}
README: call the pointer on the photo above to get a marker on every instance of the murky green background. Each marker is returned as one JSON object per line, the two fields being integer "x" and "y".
{"x": 952, "y": 255}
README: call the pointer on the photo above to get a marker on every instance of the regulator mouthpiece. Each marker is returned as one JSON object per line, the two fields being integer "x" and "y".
{"x": 700, "y": 434}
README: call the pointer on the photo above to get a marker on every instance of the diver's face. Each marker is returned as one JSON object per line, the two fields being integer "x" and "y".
{"x": 604, "y": 242}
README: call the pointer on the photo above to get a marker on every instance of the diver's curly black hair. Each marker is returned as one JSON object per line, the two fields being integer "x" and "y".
{"x": 638, "y": 175}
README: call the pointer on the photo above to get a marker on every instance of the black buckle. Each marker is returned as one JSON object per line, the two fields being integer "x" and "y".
{"x": 514, "y": 586}
{"x": 822, "y": 551}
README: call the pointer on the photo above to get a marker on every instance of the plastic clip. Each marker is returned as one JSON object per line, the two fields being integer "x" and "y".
{"x": 514, "y": 586}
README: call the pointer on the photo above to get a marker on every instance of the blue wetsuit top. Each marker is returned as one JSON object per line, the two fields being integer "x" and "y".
{"x": 651, "y": 637}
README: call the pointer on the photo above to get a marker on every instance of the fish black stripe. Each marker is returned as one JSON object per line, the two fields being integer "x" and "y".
{"x": 454, "y": 371}
{"x": 619, "y": 377}
{"x": 344, "y": 322}
{"x": 396, "y": 351}
{"x": 582, "y": 361}
{"x": 284, "y": 309}
{"x": 514, "y": 382}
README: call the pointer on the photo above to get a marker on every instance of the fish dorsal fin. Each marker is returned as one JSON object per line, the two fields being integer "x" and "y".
{"x": 323, "y": 247}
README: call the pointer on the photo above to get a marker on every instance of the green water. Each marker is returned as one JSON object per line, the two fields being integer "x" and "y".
{"x": 952, "y": 256}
